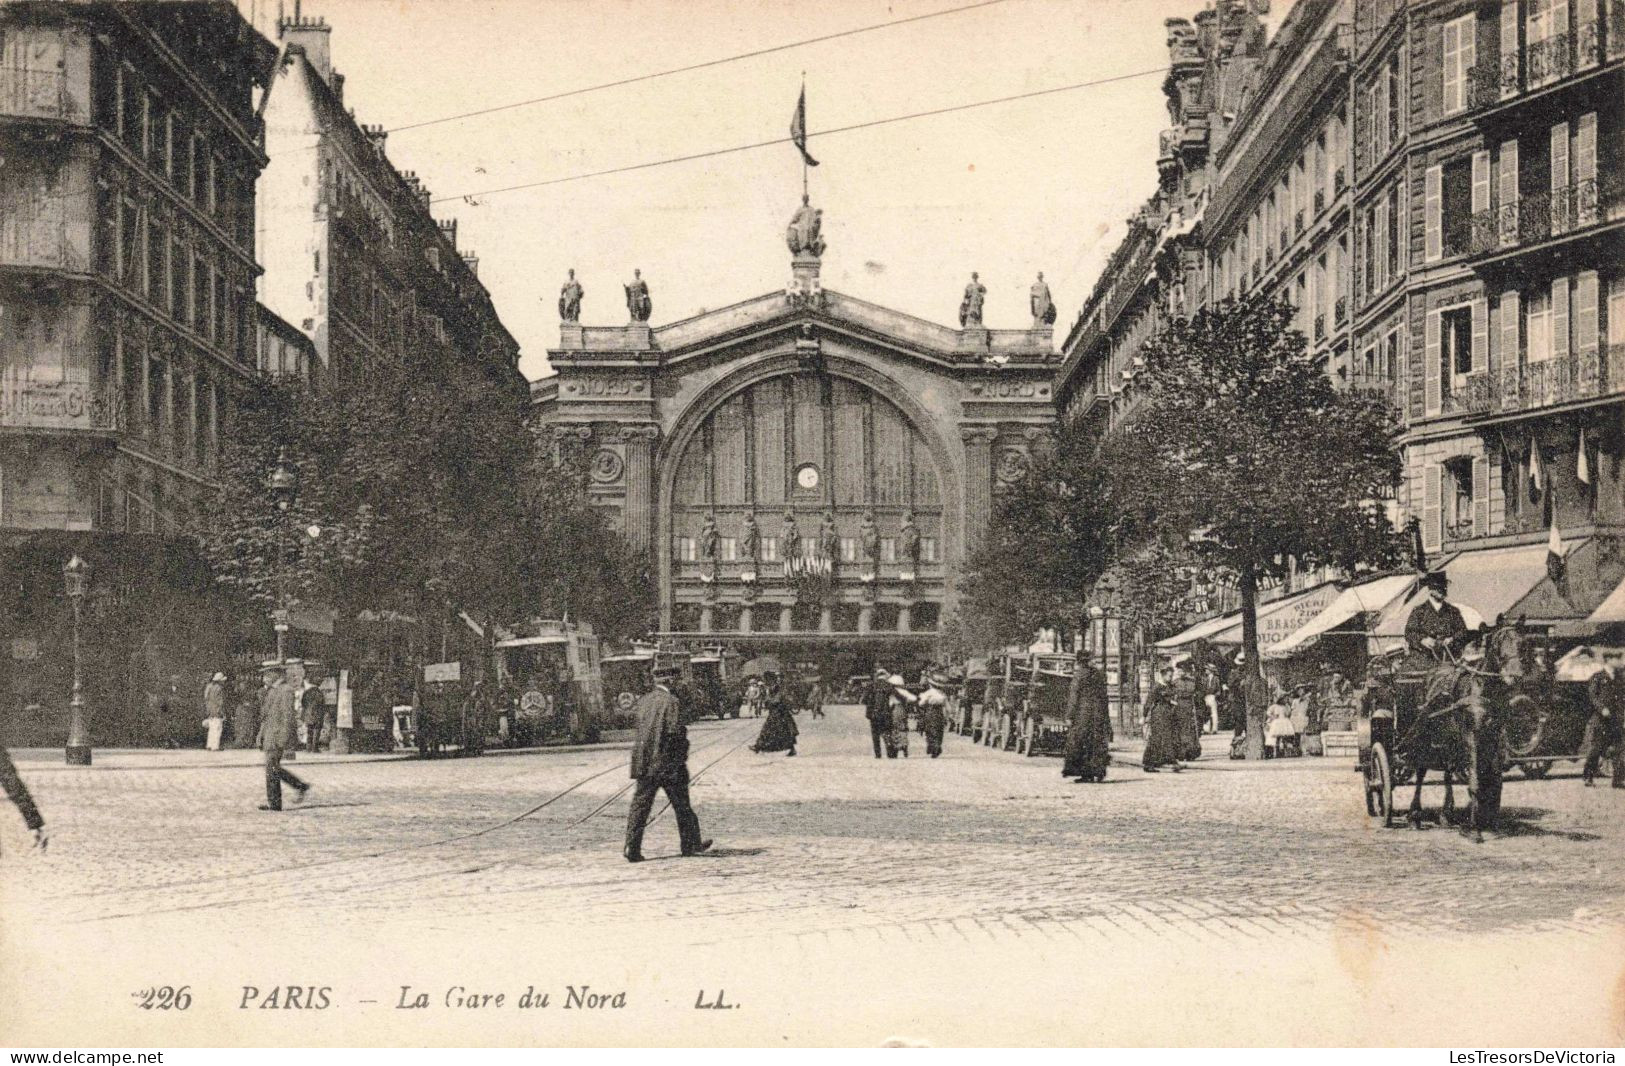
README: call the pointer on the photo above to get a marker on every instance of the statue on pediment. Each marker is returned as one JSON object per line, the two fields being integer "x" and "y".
{"x": 970, "y": 308}
{"x": 1043, "y": 307}
{"x": 869, "y": 537}
{"x": 637, "y": 297}
{"x": 789, "y": 537}
{"x": 750, "y": 540}
{"x": 803, "y": 235}
{"x": 908, "y": 542}
{"x": 829, "y": 542}
{"x": 570, "y": 299}
{"x": 709, "y": 539}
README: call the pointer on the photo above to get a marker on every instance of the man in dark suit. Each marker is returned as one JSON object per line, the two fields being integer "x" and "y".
{"x": 660, "y": 761}
{"x": 17, "y": 792}
{"x": 1435, "y": 625}
{"x": 877, "y": 708}
{"x": 278, "y": 733}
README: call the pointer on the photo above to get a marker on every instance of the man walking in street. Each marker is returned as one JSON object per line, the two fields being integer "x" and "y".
{"x": 660, "y": 761}
{"x": 278, "y": 732}
{"x": 877, "y": 708}
{"x": 17, "y": 793}
{"x": 312, "y": 706}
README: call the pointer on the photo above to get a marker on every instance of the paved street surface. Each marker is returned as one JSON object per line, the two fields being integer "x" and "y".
{"x": 978, "y": 896}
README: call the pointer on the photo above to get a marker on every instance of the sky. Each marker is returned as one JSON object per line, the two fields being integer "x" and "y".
{"x": 910, "y": 208}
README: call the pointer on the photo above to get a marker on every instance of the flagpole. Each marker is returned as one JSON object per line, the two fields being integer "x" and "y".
{"x": 804, "y": 195}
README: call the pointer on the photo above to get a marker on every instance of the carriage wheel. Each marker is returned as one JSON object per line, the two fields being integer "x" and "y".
{"x": 1379, "y": 786}
{"x": 1523, "y": 727}
{"x": 1535, "y": 769}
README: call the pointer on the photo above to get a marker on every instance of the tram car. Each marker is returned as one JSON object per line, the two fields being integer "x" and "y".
{"x": 554, "y": 675}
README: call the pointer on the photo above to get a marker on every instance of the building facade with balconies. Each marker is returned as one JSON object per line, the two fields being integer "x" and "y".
{"x": 353, "y": 257}
{"x": 1514, "y": 287}
{"x": 127, "y": 265}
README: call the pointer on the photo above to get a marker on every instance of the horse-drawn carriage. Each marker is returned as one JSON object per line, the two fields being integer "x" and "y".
{"x": 1447, "y": 716}
{"x": 1047, "y": 680}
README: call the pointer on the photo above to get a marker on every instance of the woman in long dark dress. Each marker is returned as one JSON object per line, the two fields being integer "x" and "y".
{"x": 1089, "y": 726}
{"x": 779, "y": 729}
{"x": 1162, "y": 726}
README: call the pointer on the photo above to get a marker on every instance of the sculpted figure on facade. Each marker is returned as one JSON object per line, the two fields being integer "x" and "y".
{"x": 869, "y": 537}
{"x": 637, "y": 297}
{"x": 570, "y": 299}
{"x": 829, "y": 542}
{"x": 709, "y": 539}
{"x": 789, "y": 537}
{"x": 1042, "y": 306}
{"x": 803, "y": 235}
{"x": 908, "y": 541}
{"x": 750, "y": 540}
{"x": 970, "y": 308}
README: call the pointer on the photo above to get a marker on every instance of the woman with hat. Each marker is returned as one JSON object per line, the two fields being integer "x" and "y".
{"x": 1089, "y": 725}
{"x": 214, "y": 710}
{"x": 1162, "y": 725}
{"x": 779, "y": 731}
{"x": 899, "y": 702}
{"x": 934, "y": 711}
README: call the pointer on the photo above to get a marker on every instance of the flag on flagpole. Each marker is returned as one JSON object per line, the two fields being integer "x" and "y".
{"x": 1534, "y": 464}
{"x": 1555, "y": 562}
{"x": 798, "y": 129}
{"x": 1582, "y": 468}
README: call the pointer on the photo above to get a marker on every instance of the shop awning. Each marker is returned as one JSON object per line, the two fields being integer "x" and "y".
{"x": 1366, "y": 598}
{"x": 1277, "y": 620}
{"x": 1484, "y": 583}
{"x": 1590, "y": 574}
{"x": 1611, "y": 609}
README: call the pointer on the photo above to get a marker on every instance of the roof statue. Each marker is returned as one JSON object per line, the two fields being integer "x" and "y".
{"x": 1042, "y": 306}
{"x": 570, "y": 299}
{"x": 970, "y": 308}
{"x": 637, "y": 297}
{"x": 803, "y": 235}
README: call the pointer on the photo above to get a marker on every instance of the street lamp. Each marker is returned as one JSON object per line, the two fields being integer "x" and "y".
{"x": 76, "y": 580}
{"x": 282, "y": 485}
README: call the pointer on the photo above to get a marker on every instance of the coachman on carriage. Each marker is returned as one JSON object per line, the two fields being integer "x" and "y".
{"x": 1441, "y": 706}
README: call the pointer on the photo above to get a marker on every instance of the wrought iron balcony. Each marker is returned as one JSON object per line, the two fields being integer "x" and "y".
{"x": 1547, "y": 61}
{"x": 1539, "y": 216}
{"x": 1548, "y": 382}
{"x": 1378, "y": 385}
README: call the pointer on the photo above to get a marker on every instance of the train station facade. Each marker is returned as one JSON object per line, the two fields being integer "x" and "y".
{"x": 808, "y": 471}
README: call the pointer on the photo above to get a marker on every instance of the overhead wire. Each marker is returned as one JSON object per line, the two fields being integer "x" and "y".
{"x": 811, "y": 134}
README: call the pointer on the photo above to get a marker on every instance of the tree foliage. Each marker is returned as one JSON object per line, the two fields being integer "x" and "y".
{"x": 425, "y": 488}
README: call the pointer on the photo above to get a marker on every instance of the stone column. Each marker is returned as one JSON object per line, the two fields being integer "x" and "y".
{"x": 905, "y": 619}
{"x": 640, "y": 443}
{"x": 786, "y": 618}
{"x": 826, "y": 620}
{"x": 978, "y": 483}
{"x": 747, "y": 616}
{"x": 705, "y": 618}
{"x": 866, "y": 618}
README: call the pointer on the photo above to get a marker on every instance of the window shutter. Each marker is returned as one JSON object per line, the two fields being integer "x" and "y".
{"x": 1508, "y": 215}
{"x": 1585, "y": 169}
{"x": 1585, "y": 316}
{"x": 1481, "y": 181}
{"x": 1586, "y": 33}
{"x": 1432, "y": 208}
{"x": 1430, "y": 365}
{"x": 1432, "y": 508}
{"x": 1562, "y": 210}
{"x": 1481, "y": 335}
{"x": 1510, "y": 56}
{"x": 1380, "y": 240}
{"x": 1450, "y": 46}
{"x": 1481, "y": 496}
{"x": 1560, "y": 318}
{"x": 1469, "y": 50}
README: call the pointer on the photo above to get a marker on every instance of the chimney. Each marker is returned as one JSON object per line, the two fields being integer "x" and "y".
{"x": 472, "y": 261}
{"x": 449, "y": 228}
{"x": 314, "y": 37}
{"x": 377, "y": 135}
{"x": 337, "y": 82}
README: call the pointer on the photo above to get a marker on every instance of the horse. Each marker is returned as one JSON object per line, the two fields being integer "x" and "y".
{"x": 1459, "y": 724}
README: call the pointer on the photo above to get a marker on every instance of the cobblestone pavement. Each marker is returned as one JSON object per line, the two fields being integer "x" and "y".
{"x": 821, "y": 859}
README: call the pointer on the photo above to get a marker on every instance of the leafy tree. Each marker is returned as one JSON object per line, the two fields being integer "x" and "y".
{"x": 1049, "y": 540}
{"x": 1244, "y": 447}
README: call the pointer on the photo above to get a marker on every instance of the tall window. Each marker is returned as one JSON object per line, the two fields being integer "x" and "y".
{"x": 1538, "y": 325}
{"x": 1394, "y": 258}
{"x": 1395, "y": 103}
{"x": 1456, "y": 343}
{"x": 1460, "y": 52}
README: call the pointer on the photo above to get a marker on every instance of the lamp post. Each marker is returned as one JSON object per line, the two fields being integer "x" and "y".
{"x": 76, "y": 580}
{"x": 282, "y": 485}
